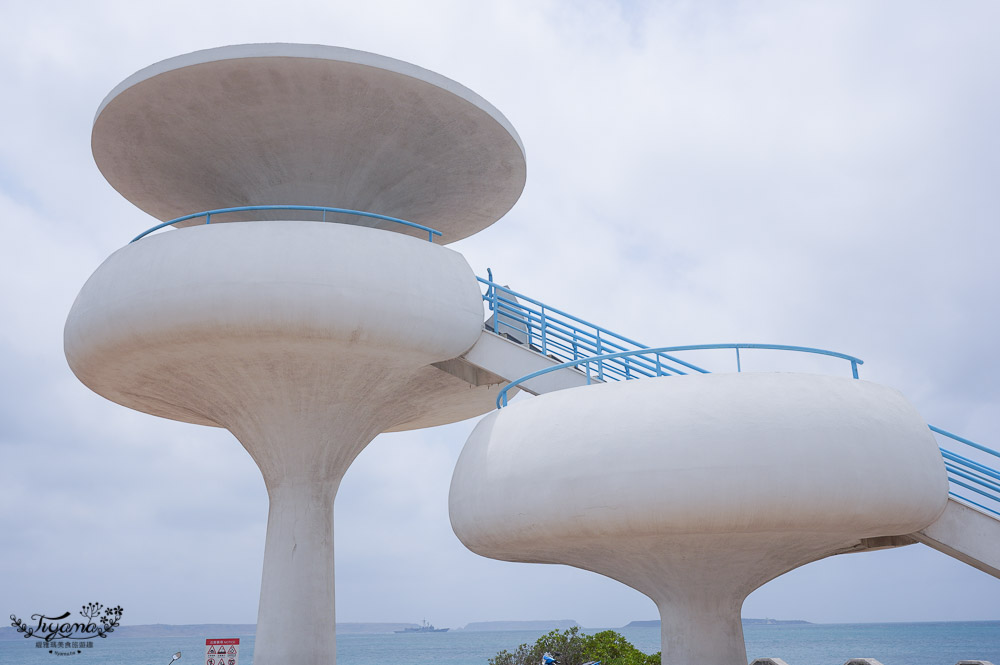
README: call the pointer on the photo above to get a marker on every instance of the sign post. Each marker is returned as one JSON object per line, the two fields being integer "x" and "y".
{"x": 222, "y": 651}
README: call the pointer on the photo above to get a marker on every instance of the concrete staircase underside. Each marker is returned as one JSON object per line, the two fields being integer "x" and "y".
{"x": 494, "y": 357}
{"x": 968, "y": 534}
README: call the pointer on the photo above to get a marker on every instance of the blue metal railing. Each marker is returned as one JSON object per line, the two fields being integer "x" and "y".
{"x": 572, "y": 341}
{"x": 658, "y": 359}
{"x": 972, "y": 481}
{"x": 607, "y": 356}
{"x": 564, "y": 337}
{"x": 325, "y": 210}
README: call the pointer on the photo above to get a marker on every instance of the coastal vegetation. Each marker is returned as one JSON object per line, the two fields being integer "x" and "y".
{"x": 576, "y": 648}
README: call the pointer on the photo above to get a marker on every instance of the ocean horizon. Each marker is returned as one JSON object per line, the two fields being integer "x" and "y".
{"x": 927, "y": 643}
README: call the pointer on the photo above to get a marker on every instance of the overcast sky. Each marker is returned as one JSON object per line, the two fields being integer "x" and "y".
{"x": 822, "y": 174}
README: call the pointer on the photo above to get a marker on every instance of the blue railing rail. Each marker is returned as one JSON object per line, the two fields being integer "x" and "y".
{"x": 564, "y": 337}
{"x": 325, "y": 210}
{"x": 972, "y": 481}
{"x": 605, "y": 355}
{"x": 660, "y": 368}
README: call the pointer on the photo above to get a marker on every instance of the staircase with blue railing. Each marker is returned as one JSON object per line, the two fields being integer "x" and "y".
{"x": 602, "y": 355}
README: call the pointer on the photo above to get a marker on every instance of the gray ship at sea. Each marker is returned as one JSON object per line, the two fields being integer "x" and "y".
{"x": 423, "y": 628}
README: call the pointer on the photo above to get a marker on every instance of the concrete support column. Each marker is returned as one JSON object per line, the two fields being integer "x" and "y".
{"x": 302, "y": 460}
{"x": 698, "y": 630}
{"x": 296, "y": 619}
{"x": 304, "y": 340}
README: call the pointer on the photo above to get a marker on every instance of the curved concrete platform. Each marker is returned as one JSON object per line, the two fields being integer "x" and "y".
{"x": 305, "y": 341}
{"x": 302, "y": 124}
{"x": 170, "y": 324}
{"x": 696, "y": 490}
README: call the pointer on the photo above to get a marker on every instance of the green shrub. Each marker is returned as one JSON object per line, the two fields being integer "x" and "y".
{"x": 612, "y": 649}
{"x": 576, "y": 648}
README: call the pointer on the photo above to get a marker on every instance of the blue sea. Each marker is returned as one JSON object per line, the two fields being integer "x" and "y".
{"x": 810, "y": 644}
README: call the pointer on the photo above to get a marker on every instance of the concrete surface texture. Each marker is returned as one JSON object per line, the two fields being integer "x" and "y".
{"x": 263, "y": 124}
{"x": 305, "y": 340}
{"x": 966, "y": 533}
{"x": 696, "y": 490}
{"x": 511, "y": 361}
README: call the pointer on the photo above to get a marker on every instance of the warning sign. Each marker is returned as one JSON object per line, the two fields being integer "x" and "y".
{"x": 222, "y": 651}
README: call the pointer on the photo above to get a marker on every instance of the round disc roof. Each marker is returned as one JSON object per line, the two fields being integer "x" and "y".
{"x": 300, "y": 124}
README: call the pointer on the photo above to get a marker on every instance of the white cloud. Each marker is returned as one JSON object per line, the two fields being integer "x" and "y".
{"x": 816, "y": 174}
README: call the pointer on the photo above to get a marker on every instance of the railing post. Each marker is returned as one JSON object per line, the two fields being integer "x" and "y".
{"x": 545, "y": 349}
{"x": 600, "y": 363}
{"x": 324, "y": 215}
{"x": 208, "y": 218}
{"x": 738, "y": 366}
{"x": 493, "y": 306}
{"x": 526, "y": 317}
{"x": 588, "y": 372}
{"x": 854, "y": 368}
{"x": 659, "y": 372}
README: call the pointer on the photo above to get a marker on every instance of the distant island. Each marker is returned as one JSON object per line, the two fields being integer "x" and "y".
{"x": 746, "y": 622}
{"x": 550, "y": 624}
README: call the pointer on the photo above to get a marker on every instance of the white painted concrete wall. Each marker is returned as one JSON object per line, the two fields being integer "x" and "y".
{"x": 167, "y": 321}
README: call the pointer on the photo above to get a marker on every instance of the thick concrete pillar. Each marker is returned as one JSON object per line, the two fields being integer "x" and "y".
{"x": 699, "y": 629}
{"x": 297, "y": 585}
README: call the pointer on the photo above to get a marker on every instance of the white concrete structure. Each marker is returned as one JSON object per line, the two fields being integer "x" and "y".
{"x": 304, "y": 339}
{"x": 308, "y": 339}
{"x": 696, "y": 490}
{"x": 262, "y": 124}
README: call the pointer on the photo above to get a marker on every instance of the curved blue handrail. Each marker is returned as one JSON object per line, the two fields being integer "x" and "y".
{"x": 560, "y": 336}
{"x": 661, "y": 369}
{"x": 963, "y": 470}
{"x": 344, "y": 211}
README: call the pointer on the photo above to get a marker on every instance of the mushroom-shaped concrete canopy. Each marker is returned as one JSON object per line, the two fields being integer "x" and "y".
{"x": 696, "y": 490}
{"x": 302, "y": 124}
